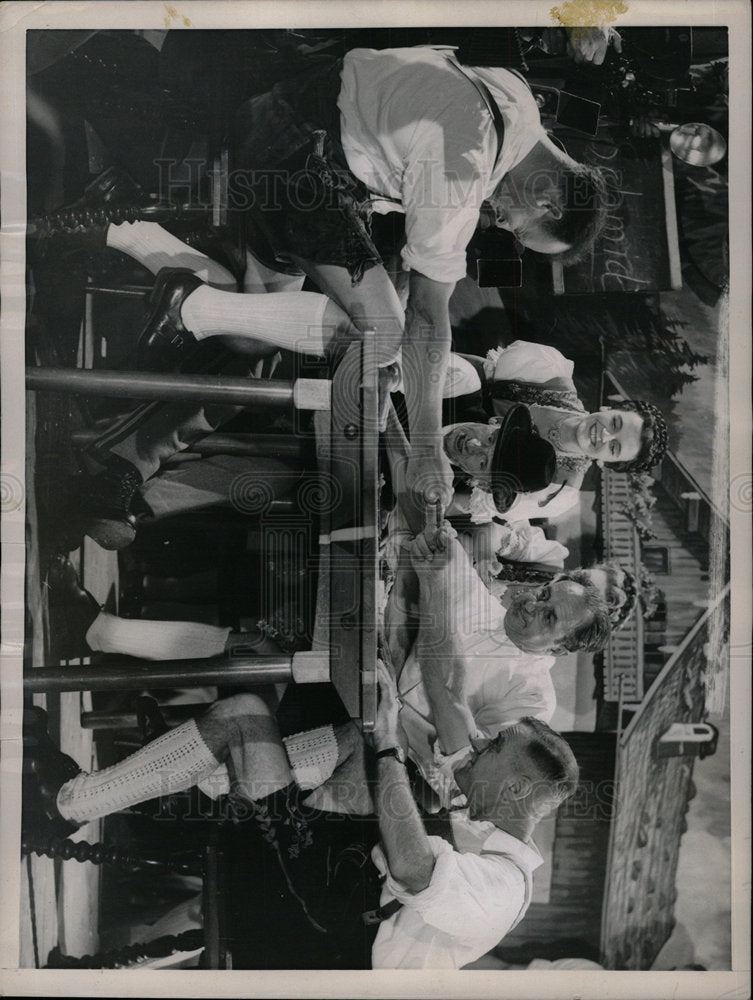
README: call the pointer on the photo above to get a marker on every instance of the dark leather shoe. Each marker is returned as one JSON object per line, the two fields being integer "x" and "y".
{"x": 45, "y": 771}
{"x": 165, "y": 342}
{"x": 76, "y": 235}
{"x": 109, "y": 519}
{"x": 71, "y": 610}
{"x": 101, "y": 508}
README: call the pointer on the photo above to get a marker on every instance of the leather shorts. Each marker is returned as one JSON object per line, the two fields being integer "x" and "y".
{"x": 290, "y": 181}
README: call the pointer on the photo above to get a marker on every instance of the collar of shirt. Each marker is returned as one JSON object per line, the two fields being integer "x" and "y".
{"x": 474, "y": 836}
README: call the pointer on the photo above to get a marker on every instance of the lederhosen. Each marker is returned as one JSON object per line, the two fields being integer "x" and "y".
{"x": 290, "y": 178}
{"x": 314, "y": 879}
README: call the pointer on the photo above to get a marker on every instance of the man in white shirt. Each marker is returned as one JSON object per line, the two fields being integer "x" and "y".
{"x": 416, "y": 133}
{"x": 395, "y": 130}
{"x": 459, "y": 901}
{"x": 447, "y": 896}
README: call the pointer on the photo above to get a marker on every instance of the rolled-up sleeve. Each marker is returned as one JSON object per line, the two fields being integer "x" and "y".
{"x": 470, "y": 896}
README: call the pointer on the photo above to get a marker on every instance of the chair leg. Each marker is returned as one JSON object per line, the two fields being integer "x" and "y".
{"x": 133, "y": 954}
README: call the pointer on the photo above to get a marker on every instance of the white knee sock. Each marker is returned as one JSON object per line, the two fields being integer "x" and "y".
{"x": 154, "y": 640}
{"x": 155, "y": 248}
{"x": 291, "y": 320}
{"x": 171, "y": 763}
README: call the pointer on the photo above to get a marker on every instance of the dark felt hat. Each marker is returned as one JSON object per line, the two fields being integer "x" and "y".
{"x": 522, "y": 461}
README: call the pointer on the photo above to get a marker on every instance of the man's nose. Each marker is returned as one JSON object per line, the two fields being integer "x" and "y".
{"x": 474, "y": 445}
{"x": 606, "y": 434}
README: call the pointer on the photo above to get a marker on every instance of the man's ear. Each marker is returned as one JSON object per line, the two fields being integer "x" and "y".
{"x": 494, "y": 421}
{"x": 558, "y": 651}
{"x": 519, "y": 786}
{"x": 550, "y": 206}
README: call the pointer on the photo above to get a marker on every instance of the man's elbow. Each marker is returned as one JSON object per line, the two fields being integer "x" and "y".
{"x": 417, "y": 876}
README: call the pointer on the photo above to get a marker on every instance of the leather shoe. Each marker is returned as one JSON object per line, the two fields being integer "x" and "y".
{"x": 45, "y": 770}
{"x": 72, "y": 610}
{"x": 165, "y": 342}
{"x": 113, "y": 186}
{"x": 109, "y": 520}
{"x": 76, "y": 235}
{"x": 101, "y": 508}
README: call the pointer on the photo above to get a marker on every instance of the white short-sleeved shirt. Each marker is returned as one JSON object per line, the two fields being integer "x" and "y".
{"x": 418, "y": 133}
{"x": 475, "y": 896}
{"x": 503, "y": 684}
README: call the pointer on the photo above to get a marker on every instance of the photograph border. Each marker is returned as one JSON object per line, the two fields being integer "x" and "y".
{"x": 15, "y": 18}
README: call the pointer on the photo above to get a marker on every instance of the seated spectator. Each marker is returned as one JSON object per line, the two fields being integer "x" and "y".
{"x": 631, "y": 436}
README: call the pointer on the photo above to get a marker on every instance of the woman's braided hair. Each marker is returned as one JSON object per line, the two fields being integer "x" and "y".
{"x": 653, "y": 436}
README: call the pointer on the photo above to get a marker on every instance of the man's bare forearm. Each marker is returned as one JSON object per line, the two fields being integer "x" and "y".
{"x": 401, "y": 614}
{"x": 443, "y": 668}
{"x": 440, "y": 652}
{"x": 409, "y": 854}
{"x": 426, "y": 356}
{"x": 398, "y": 453}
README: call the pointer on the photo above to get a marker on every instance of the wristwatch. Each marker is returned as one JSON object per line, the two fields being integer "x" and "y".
{"x": 397, "y": 752}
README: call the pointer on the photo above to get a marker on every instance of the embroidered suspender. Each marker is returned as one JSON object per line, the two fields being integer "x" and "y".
{"x": 491, "y": 106}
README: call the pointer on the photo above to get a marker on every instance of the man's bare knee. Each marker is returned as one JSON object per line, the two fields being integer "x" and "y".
{"x": 372, "y": 304}
{"x": 232, "y": 720}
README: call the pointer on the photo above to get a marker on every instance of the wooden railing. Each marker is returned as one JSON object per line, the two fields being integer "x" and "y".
{"x": 623, "y": 656}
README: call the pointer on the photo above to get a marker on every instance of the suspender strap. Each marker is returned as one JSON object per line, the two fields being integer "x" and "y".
{"x": 381, "y": 912}
{"x": 392, "y": 906}
{"x": 491, "y": 105}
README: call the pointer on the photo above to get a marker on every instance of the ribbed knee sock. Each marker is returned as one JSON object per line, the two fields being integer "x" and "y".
{"x": 155, "y": 248}
{"x": 171, "y": 763}
{"x": 291, "y": 320}
{"x": 154, "y": 640}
